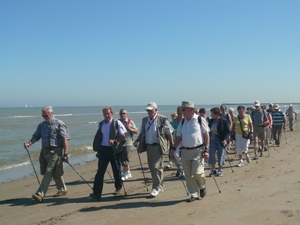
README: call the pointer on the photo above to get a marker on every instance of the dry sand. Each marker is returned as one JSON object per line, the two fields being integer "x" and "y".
{"x": 262, "y": 192}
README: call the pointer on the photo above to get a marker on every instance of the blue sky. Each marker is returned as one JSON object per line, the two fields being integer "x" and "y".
{"x": 90, "y": 53}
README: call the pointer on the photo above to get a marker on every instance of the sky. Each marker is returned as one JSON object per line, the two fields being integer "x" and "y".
{"x": 131, "y": 52}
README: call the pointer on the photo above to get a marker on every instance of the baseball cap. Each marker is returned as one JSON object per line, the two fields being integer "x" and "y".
{"x": 151, "y": 105}
{"x": 257, "y": 103}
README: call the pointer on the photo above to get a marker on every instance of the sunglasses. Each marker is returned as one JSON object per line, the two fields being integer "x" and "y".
{"x": 44, "y": 115}
{"x": 122, "y": 113}
{"x": 148, "y": 110}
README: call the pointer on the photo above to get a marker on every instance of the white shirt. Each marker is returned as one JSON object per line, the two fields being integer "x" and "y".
{"x": 151, "y": 132}
{"x": 106, "y": 129}
{"x": 190, "y": 132}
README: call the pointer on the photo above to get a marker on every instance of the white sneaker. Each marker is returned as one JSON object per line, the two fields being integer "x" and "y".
{"x": 129, "y": 175}
{"x": 248, "y": 159}
{"x": 240, "y": 164}
{"x": 155, "y": 192}
{"x": 124, "y": 176}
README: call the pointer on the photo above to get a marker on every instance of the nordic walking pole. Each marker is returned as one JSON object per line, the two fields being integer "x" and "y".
{"x": 212, "y": 174}
{"x": 285, "y": 136}
{"x": 229, "y": 161}
{"x": 143, "y": 171}
{"x": 110, "y": 176}
{"x": 33, "y": 167}
{"x": 118, "y": 168}
{"x": 80, "y": 175}
{"x": 181, "y": 176}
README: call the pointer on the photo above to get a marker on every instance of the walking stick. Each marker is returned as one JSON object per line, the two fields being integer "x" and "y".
{"x": 119, "y": 173}
{"x": 33, "y": 167}
{"x": 229, "y": 161}
{"x": 110, "y": 176}
{"x": 181, "y": 176}
{"x": 285, "y": 136}
{"x": 143, "y": 171}
{"x": 212, "y": 174}
{"x": 80, "y": 175}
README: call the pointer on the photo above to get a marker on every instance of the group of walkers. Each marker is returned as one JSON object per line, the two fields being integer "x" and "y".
{"x": 191, "y": 139}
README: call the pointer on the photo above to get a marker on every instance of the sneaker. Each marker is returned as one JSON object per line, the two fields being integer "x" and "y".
{"x": 129, "y": 175}
{"x": 60, "y": 193}
{"x": 212, "y": 173}
{"x": 118, "y": 192}
{"x": 202, "y": 192}
{"x": 37, "y": 197}
{"x": 240, "y": 164}
{"x": 124, "y": 176}
{"x": 155, "y": 192}
{"x": 95, "y": 196}
{"x": 261, "y": 154}
{"x": 220, "y": 173}
{"x": 178, "y": 172}
{"x": 248, "y": 159}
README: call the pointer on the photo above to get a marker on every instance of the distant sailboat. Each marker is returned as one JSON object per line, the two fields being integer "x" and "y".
{"x": 25, "y": 106}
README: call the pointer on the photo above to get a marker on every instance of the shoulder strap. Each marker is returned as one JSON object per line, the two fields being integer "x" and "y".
{"x": 200, "y": 122}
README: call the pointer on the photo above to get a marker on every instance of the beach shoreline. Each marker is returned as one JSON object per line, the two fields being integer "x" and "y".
{"x": 262, "y": 192}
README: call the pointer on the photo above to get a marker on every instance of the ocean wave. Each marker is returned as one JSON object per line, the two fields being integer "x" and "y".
{"x": 93, "y": 122}
{"x": 63, "y": 115}
{"x": 6, "y": 167}
{"x": 19, "y": 116}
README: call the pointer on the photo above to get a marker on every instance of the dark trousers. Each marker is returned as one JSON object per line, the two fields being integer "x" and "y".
{"x": 105, "y": 156}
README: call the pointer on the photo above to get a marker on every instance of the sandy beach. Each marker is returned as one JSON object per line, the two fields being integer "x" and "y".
{"x": 265, "y": 191}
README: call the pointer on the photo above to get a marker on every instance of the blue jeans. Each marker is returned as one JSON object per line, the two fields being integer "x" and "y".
{"x": 213, "y": 147}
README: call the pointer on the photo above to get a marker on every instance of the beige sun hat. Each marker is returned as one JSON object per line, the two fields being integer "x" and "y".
{"x": 276, "y": 106}
{"x": 187, "y": 104}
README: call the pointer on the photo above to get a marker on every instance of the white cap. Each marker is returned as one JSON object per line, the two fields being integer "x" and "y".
{"x": 151, "y": 105}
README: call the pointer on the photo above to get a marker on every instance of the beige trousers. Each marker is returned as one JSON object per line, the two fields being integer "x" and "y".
{"x": 193, "y": 167}
{"x": 51, "y": 166}
{"x": 155, "y": 163}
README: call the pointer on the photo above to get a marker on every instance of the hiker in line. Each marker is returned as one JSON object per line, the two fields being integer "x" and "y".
{"x": 219, "y": 136}
{"x": 193, "y": 134}
{"x": 268, "y": 128}
{"x": 278, "y": 124}
{"x": 260, "y": 121}
{"x": 176, "y": 153}
{"x": 242, "y": 122}
{"x": 291, "y": 113}
{"x": 108, "y": 143}
{"x": 202, "y": 112}
{"x": 155, "y": 138}
{"x": 131, "y": 129}
{"x": 55, "y": 136}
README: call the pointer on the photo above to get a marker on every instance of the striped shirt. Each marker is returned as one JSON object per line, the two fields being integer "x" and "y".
{"x": 52, "y": 132}
{"x": 278, "y": 118}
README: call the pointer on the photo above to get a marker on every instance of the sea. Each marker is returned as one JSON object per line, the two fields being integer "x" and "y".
{"x": 18, "y": 124}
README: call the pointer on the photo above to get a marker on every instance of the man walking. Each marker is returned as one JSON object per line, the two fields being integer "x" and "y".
{"x": 131, "y": 129}
{"x": 108, "y": 143}
{"x": 193, "y": 133}
{"x": 260, "y": 121}
{"x": 55, "y": 136}
{"x": 156, "y": 131}
{"x": 278, "y": 124}
{"x": 292, "y": 115}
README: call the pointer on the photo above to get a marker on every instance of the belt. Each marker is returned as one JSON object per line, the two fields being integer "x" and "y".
{"x": 152, "y": 144}
{"x": 51, "y": 147}
{"x": 191, "y": 147}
